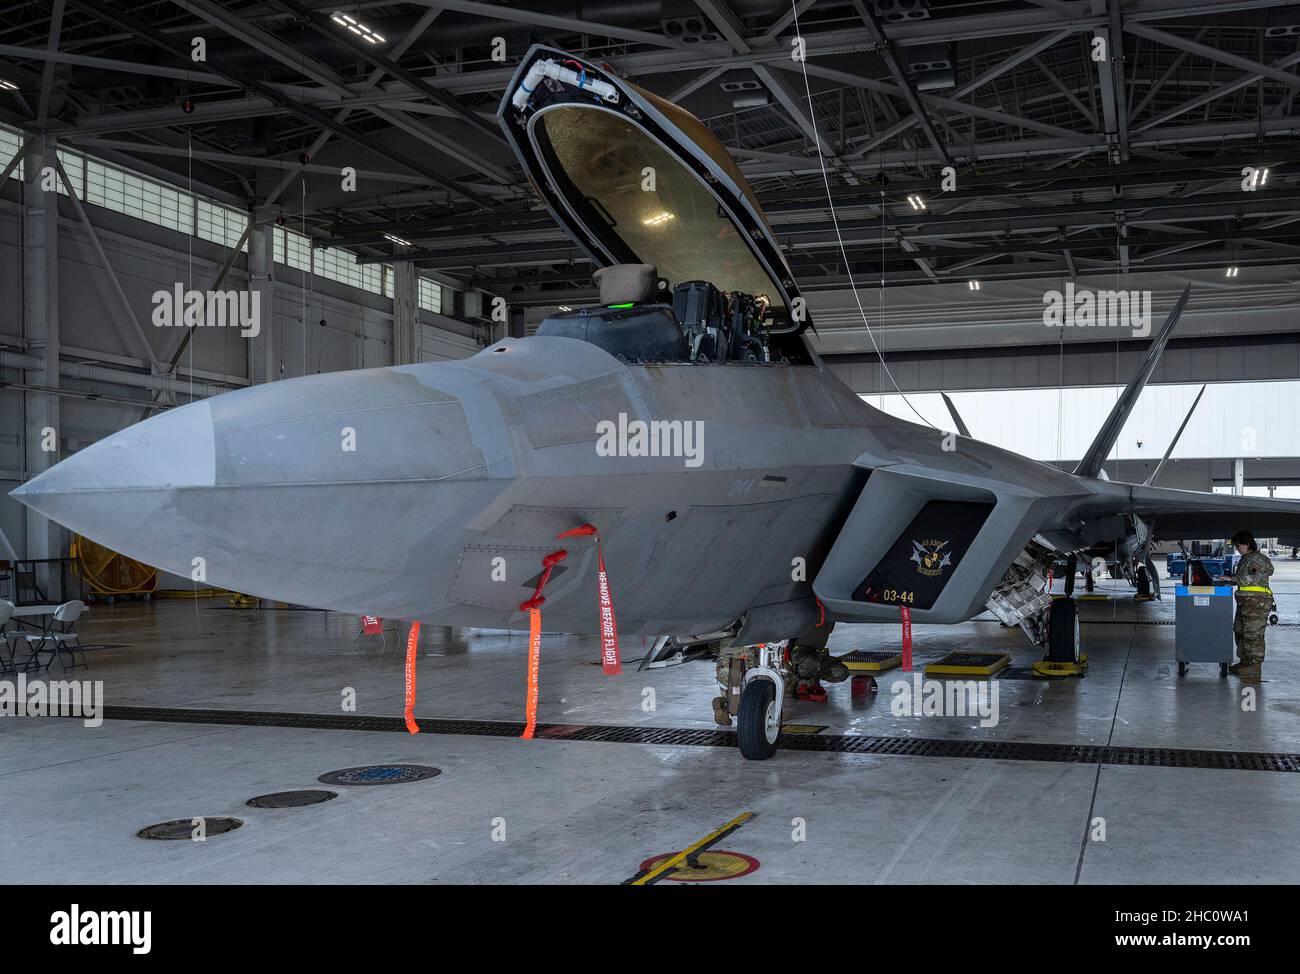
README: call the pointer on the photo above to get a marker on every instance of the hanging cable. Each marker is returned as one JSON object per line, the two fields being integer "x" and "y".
{"x": 311, "y": 273}
{"x": 830, "y": 203}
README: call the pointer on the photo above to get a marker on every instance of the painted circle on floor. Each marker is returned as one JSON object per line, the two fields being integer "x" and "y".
{"x": 379, "y": 774}
{"x": 187, "y": 828}
{"x": 713, "y": 865}
{"x": 292, "y": 799}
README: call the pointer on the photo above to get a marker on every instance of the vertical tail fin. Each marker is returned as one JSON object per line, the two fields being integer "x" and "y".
{"x": 1104, "y": 442}
{"x": 956, "y": 416}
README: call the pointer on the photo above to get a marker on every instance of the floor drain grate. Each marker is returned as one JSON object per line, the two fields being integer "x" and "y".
{"x": 292, "y": 799}
{"x": 189, "y": 828}
{"x": 1157, "y": 757}
{"x": 379, "y": 774}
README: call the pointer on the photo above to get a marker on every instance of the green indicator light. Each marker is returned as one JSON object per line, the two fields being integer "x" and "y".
{"x": 630, "y": 304}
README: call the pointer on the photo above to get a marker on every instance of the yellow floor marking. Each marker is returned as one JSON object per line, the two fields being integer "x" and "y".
{"x": 673, "y": 862}
{"x": 710, "y": 867}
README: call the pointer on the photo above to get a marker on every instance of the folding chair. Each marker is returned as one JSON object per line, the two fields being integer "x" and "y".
{"x": 59, "y": 636}
{"x": 10, "y": 638}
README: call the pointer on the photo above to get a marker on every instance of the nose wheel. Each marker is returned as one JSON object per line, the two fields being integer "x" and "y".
{"x": 758, "y": 723}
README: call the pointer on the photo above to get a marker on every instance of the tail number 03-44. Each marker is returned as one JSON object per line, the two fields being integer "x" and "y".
{"x": 897, "y": 595}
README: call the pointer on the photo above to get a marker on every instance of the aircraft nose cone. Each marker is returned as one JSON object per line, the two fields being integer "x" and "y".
{"x": 173, "y": 450}
{"x": 333, "y": 491}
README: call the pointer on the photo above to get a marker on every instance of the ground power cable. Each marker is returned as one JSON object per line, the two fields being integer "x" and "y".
{"x": 844, "y": 256}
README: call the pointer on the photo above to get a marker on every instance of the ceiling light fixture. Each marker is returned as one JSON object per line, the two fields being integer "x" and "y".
{"x": 658, "y": 219}
{"x": 357, "y": 27}
{"x": 973, "y": 285}
{"x": 398, "y": 240}
{"x": 917, "y": 202}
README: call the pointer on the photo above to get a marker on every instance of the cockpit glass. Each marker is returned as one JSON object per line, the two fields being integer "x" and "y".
{"x": 662, "y": 212}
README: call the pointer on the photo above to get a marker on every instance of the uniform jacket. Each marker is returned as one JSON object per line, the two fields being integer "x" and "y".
{"x": 1254, "y": 569}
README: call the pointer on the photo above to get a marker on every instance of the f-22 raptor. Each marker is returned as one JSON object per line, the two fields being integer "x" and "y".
{"x": 803, "y": 506}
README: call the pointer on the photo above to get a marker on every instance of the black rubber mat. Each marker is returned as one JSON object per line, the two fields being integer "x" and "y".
{"x": 1150, "y": 757}
{"x": 868, "y": 656}
{"x": 967, "y": 659}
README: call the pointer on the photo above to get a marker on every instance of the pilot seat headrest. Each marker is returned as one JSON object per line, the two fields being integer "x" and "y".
{"x": 626, "y": 283}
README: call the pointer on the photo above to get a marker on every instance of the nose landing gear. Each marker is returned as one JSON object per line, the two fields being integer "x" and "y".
{"x": 758, "y": 723}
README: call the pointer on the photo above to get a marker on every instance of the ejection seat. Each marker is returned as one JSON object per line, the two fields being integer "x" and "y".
{"x": 629, "y": 322}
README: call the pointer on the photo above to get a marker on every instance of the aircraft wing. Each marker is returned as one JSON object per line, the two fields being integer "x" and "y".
{"x": 1186, "y": 514}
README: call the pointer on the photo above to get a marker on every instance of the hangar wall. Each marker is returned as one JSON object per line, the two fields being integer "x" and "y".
{"x": 948, "y": 337}
{"x": 1250, "y": 419}
{"x": 358, "y": 332}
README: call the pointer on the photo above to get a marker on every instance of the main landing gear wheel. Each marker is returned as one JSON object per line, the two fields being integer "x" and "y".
{"x": 1143, "y": 582}
{"x": 1063, "y": 644}
{"x": 758, "y": 724}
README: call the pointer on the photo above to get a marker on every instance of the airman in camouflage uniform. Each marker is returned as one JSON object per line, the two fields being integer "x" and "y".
{"x": 730, "y": 669}
{"x": 1254, "y": 602}
{"x": 810, "y": 663}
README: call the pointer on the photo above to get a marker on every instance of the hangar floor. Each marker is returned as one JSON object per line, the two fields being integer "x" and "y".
{"x": 72, "y": 797}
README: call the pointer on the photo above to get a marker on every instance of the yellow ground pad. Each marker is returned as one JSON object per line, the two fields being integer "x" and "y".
{"x": 1047, "y": 668}
{"x": 866, "y": 661}
{"x": 968, "y": 664}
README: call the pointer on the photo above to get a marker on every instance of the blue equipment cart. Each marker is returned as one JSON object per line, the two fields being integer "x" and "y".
{"x": 1203, "y": 626}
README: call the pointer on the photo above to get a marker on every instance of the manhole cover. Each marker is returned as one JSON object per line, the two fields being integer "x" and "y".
{"x": 379, "y": 774}
{"x": 189, "y": 828}
{"x": 706, "y": 867}
{"x": 292, "y": 799}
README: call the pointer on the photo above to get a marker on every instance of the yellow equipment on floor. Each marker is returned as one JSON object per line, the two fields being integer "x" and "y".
{"x": 1048, "y": 668}
{"x": 109, "y": 574}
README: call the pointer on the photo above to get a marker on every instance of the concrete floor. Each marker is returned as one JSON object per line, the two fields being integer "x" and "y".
{"x": 72, "y": 797}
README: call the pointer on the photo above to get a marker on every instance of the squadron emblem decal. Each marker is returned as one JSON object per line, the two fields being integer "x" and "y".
{"x": 930, "y": 557}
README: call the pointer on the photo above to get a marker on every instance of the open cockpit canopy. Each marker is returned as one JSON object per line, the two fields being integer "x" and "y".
{"x": 636, "y": 180}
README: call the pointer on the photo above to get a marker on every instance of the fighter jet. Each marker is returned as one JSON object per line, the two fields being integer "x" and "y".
{"x": 740, "y": 490}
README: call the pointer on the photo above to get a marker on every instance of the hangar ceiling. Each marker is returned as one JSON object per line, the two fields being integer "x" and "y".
{"x": 1063, "y": 164}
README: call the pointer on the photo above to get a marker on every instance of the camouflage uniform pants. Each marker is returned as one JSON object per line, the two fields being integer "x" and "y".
{"x": 1250, "y": 624}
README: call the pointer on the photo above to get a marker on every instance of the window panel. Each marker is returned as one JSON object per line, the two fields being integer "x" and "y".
{"x": 10, "y": 141}
{"x": 109, "y": 186}
{"x": 430, "y": 295}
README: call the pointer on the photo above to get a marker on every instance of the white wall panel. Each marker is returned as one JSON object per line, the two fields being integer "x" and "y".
{"x": 1234, "y": 419}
